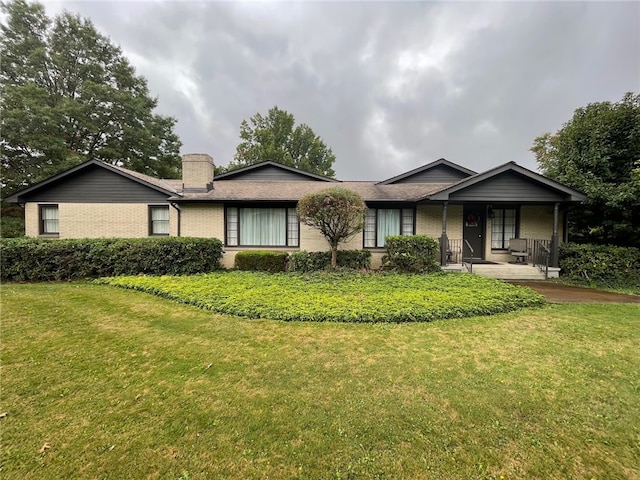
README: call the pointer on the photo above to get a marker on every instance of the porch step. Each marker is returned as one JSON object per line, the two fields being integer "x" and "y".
{"x": 507, "y": 271}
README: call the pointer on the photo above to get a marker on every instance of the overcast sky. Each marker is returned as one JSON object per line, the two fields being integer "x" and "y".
{"x": 389, "y": 86}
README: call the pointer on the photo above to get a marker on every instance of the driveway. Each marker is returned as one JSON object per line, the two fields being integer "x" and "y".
{"x": 558, "y": 293}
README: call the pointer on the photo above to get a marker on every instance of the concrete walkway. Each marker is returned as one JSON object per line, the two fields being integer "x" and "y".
{"x": 558, "y": 293}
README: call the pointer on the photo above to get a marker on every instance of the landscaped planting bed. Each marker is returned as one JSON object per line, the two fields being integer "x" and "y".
{"x": 340, "y": 297}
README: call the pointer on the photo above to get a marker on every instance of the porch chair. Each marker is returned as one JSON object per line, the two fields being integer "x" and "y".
{"x": 518, "y": 248}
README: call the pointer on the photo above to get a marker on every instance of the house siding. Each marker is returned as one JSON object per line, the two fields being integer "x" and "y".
{"x": 438, "y": 174}
{"x": 97, "y": 185}
{"x": 508, "y": 187}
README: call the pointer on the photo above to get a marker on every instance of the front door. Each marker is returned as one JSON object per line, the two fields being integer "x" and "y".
{"x": 473, "y": 231}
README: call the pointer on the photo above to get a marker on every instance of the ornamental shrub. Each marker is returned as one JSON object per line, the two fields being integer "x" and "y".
{"x": 37, "y": 260}
{"x": 313, "y": 261}
{"x": 261, "y": 260}
{"x": 411, "y": 254}
{"x": 601, "y": 264}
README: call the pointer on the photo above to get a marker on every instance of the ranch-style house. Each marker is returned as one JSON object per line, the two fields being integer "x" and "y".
{"x": 473, "y": 215}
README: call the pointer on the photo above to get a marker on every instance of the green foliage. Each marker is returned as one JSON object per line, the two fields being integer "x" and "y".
{"x": 339, "y": 297}
{"x": 336, "y": 212}
{"x": 412, "y": 254}
{"x": 603, "y": 265}
{"x": 273, "y": 138}
{"x": 261, "y": 261}
{"x": 68, "y": 95}
{"x": 11, "y": 221}
{"x": 37, "y": 260}
{"x": 313, "y": 261}
{"x": 598, "y": 153}
{"x": 125, "y": 385}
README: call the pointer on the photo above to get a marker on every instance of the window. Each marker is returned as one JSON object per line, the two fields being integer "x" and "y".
{"x": 159, "y": 220}
{"x": 503, "y": 227}
{"x": 49, "y": 220}
{"x": 262, "y": 227}
{"x": 383, "y": 222}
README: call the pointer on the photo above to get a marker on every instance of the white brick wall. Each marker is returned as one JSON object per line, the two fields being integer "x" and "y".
{"x": 205, "y": 220}
{"x": 96, "y": 220}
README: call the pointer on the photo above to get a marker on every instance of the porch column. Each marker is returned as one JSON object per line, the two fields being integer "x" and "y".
{"x": 444, "y": 240}
{"x": 554, "y": 238}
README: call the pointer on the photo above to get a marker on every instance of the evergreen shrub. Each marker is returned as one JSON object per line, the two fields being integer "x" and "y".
{"x": 261, "y": 260}
{"x": 313, "y": 261}
{"x": 600, "y": 264}
{"x": 411, "y": 254}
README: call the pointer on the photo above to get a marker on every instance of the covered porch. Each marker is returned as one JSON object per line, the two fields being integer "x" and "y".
{"x": 485, "y": 216}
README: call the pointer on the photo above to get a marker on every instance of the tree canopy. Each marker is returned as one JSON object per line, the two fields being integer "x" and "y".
{"x": 68, "y": 95}
{"x": 274, "y": 138}
{"x": 598, "y": 153}
{"x": 336, "y": 212}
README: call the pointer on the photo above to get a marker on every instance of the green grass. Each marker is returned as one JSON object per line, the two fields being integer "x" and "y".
{"x": 121, "y": 384}
{"x": 347, "y": 297}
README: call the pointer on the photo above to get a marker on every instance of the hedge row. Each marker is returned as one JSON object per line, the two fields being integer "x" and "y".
{"x": 606, "y": 265}
{"x": 314, "y": 261}
{"x": 27, "y": 259}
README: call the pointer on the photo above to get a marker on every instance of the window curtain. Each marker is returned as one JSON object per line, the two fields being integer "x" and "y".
{"x": 263, "y": 226}
{"x": 160, "y": 220}
{"x": 388, "y": 224}
{"x": 50, "y": 219}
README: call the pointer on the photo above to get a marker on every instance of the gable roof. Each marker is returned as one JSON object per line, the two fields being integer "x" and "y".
{"x": 246, "y": 171}
{"x": 425, "y": 168}
{"x": 570, "y": 194}
{"x": 159, "y": 185}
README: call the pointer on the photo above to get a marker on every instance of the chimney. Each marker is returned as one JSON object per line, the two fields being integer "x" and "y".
{"x": 197, "y": 173}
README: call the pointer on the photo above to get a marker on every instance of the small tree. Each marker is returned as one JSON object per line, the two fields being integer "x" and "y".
{"x": 337, "y": 212}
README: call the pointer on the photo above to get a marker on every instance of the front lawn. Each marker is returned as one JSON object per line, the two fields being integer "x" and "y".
{"x": 347, "y": 297}
{"x": 107, "y": 383}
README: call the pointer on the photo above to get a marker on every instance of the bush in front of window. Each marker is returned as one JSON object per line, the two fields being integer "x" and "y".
{"x": 313, "y": 261}
{"x": 261, "y": 260}
{"x": 411, "y": 254}
{"x": 37, "y": 260}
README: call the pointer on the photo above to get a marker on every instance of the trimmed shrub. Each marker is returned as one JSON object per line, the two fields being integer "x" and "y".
{"x": 313, "y": 261}
{"x": 29, "y": 259}
{"x": 261, "y": 260}
{"x": 605, "y": 265}
{"x": 412, "y": 254}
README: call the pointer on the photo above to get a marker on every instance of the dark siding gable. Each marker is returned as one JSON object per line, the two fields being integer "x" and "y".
{"x": 436, "y": 174}
{"x": 95, "y": 185}
{"x": 508, "y": 187}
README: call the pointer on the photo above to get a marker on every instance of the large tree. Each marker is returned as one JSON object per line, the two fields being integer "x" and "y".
{"x": 67, "y": 95}
{"x": 273, "y": 137}
{"x": 598, "y": 152}
{"x": 336, "y": 212}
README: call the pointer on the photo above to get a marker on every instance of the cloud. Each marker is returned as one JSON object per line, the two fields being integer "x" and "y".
{"x": 389, "y": 86}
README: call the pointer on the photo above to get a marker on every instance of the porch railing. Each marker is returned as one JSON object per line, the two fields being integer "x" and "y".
{"x": 471, "y": 251}
{"x": 540, "y": 254}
